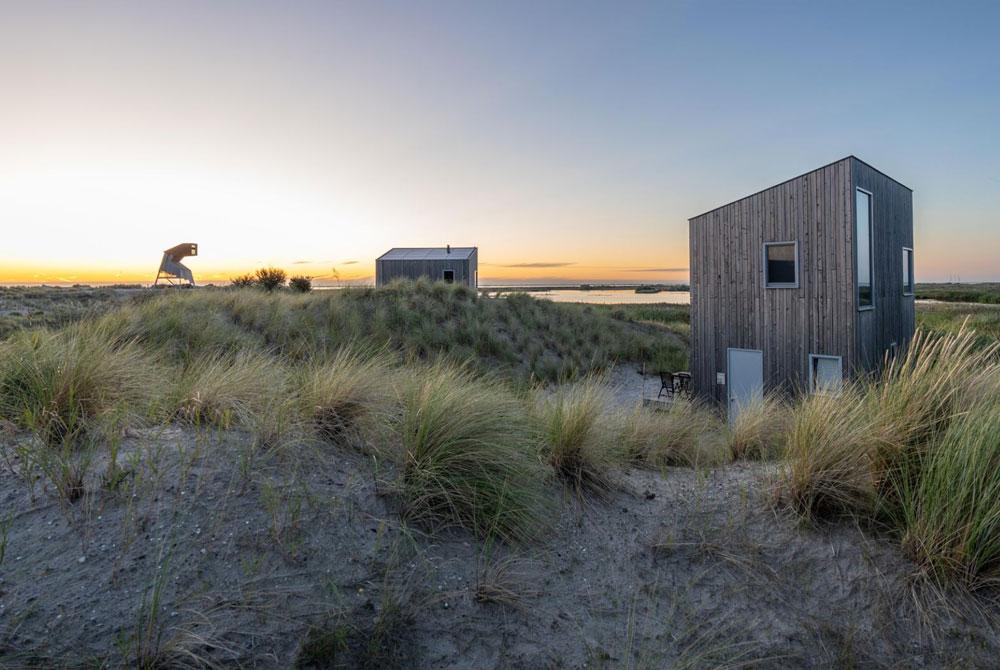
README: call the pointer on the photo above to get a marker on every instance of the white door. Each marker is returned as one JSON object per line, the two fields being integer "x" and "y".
{"x": 745, "y": 379}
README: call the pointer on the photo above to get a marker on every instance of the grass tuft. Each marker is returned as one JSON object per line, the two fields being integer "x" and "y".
{"x": 67, "y": 384}
{"x": 684, "y": 434}
{"x": 468, "y": 455}
{"x": 340, "y": 393}
{"x": 578, "y": 437}
{"x": 758, "y": 432}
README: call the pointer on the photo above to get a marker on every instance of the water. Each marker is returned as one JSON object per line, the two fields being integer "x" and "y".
{"x": 614, "y": 296}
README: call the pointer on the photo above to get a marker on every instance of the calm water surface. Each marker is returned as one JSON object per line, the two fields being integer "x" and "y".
{"x": 615, "y": 296}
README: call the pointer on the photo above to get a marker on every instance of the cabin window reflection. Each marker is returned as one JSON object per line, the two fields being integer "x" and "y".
{"x": 781, "y": 264}
{"x": 863, "y": 246}
{"x": 907, "y": 271}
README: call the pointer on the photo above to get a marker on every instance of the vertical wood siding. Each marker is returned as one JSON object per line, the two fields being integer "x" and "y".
{"x": 465, "y": 270}
{"x": 730, "y": 307}
{"x": 892, "y": 320}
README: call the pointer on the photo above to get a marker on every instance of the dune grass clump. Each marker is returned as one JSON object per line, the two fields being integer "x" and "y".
{"x": 227, "y": 391}
{"x": 952, "y": 511}
{"x": 831, "y": 449}
{"x": 70, "y": 383}
{"x": 758, "y": 431}
{"x": 916, "y": 450}
{"x": 685, "y": 434}
{"x": 467, "y": 455}
{"x": 340, "y": 393}
{"x": 578, "y": 441}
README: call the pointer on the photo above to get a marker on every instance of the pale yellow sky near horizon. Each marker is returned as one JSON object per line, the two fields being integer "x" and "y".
{"x": 575, "y": 146}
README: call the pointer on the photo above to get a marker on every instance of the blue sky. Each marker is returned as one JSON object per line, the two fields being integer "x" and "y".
{"x": 574, "y": 138}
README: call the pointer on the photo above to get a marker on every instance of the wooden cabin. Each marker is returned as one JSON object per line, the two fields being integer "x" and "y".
{"x": 459, "y": 265}
{"x": 801, "y": 285}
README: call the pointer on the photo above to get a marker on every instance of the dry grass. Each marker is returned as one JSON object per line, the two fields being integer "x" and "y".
{"x": 227, "y": 391}
{"x": 350, "y": 389}
{"x": 578, "y": 434}
{"x": 685, "y": 434}
{"x": 915, "y": 449}
{"x": 758, "y": 431}
{"x": 467, "y": 452}
{"x": 76, "y": 381}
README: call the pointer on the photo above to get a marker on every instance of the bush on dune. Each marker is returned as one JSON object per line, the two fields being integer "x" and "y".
{"x": 467, "y": 455}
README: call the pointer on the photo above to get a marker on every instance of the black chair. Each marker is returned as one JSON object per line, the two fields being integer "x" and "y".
{"x": 666, "y": 385}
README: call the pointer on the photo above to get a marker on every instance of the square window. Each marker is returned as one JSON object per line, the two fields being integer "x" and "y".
{"x": 448, "y": 276}
{"x": 781, "y": 264}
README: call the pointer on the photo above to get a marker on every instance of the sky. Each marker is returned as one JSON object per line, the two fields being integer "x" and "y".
{"x": 567, "y": 140}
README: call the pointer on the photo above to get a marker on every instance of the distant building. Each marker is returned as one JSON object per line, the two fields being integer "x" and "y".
{"x": 459, "y": 265}
{"x": 801, "y": 285}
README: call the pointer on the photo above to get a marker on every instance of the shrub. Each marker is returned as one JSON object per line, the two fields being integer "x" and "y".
{"x": 758, "y": 431}
{"x": 300, "y": 284}
{"x": 684, "y": 434}
{"x": 243, "y": 281}
{"x": 270, "y": 278}
{"x": 69, "y": 383}
{"x": 578, "y": 440}
{"x": 468, "y": 455}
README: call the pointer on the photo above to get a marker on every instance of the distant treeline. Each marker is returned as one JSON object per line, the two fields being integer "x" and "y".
{"x": 986, "y": 293}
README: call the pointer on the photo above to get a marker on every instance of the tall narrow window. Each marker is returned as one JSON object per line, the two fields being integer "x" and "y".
{"x": 781, "y": 264}
{"x": 907, "y": 271}
{"x": 863, "y": 246}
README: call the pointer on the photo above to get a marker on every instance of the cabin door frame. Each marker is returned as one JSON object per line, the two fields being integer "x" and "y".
{"x": 744, "y": 379}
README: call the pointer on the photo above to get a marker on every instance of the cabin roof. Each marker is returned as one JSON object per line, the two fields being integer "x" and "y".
{"x": 426, "y": 254}
{"x": 823, "y": 167}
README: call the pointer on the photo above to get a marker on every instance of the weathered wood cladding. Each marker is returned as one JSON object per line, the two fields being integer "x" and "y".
{"x": 465, "y": 269}
{"x": 893, "y": 318}
{"x": 730, "y": 307}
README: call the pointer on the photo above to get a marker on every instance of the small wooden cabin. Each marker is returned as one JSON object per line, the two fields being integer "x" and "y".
{"x": 801, "y": 285}
{"x": 450, "y": 264}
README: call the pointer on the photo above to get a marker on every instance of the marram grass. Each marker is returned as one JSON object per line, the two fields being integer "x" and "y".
{"x": 916, "y": 450}
{"x": 468, "y": 455}
{"x": 579, "y": 443}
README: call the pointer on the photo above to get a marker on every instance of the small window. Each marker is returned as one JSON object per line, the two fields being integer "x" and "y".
{"x": 825, "y": 374}
{"x": 448, "y": 276}
{"x": 907, "y": 271}
{"x": 863, "y": 249}
{"x": 781, "y": 264}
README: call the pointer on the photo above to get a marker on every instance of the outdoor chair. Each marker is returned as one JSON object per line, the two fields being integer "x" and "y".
{"x": 666, "y": 385}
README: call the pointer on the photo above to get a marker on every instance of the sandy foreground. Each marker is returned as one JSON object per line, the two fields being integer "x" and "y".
{"x": 205, "y": 550}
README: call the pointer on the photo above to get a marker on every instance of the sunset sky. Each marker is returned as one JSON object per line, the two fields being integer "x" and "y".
{"x": 567, "y": 140}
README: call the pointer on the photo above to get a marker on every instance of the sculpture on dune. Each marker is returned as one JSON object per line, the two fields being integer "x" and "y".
{"x": 172, "y": 272}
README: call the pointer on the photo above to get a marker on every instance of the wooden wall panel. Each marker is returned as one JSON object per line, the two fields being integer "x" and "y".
{"x": 893, "y": 318}
{"x": 730, "y": 307}
{"x": 465, "y": 269}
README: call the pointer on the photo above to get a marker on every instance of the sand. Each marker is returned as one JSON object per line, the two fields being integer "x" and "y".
{"x": 210, "y": 552}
